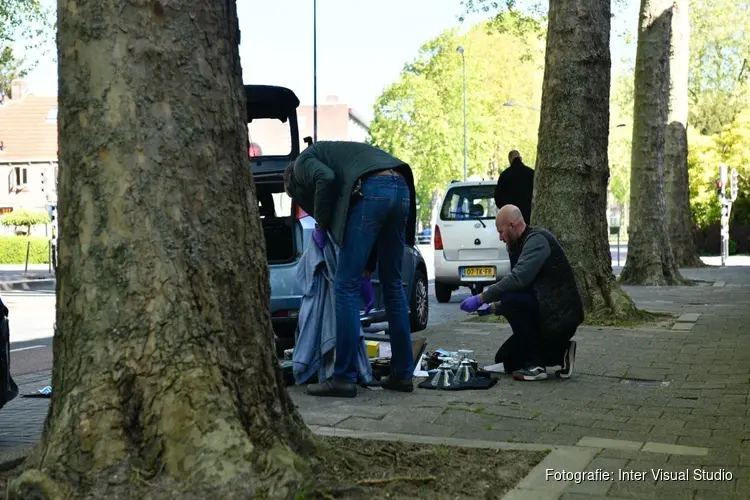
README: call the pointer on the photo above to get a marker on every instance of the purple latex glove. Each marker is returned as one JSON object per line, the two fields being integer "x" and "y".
{"x": 472, "y": 303}
{"x": 367, "y": 293}
{"x": 485, "y": 310}
{"x": 319, "y": 235}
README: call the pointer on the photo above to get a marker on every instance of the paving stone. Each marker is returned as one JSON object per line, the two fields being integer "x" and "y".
{"x": 324, "y": 419}
{"x": 683, "y": 326}
{"x": 366, "y": 424}
{"x": 594, "y": 442}
{"x": 584, "y": 496}
{"x": 484, "y": 434}
{"x": 674, "y": 449}
{"x": 558, "y": 438}
{"x": 689, "y": 317}
{"x": 634, "y": 455}
{"x": 720, "y": 495}
{"x": 643, "y": 490}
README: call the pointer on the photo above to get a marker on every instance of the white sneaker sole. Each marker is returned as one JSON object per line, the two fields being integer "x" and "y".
{"x": 529, "y": 378}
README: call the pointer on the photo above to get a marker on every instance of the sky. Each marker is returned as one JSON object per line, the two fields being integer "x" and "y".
{"x": 362, "y": 45}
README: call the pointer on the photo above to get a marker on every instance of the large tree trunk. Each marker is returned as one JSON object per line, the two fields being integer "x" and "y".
{"x": 650, "y": 260}
{"x": 676, "y": 187}
{"x": 163, "y": 357}
{"x": 572, "y": 170}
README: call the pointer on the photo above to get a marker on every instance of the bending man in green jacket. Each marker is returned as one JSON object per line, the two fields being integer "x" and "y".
{"x": 364, "y": 198}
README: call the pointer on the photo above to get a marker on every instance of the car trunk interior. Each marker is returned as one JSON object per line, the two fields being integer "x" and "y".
{"x": 278, "y": 219}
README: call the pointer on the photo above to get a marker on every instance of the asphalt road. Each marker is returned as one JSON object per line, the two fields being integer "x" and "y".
{"x": 32, "y": 318}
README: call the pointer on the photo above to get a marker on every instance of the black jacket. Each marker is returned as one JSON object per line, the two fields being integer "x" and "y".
{"x": 516, "y": 187}
{"x": 544, "y": 269}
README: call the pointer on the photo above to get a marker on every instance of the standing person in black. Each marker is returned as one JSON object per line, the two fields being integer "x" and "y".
{"x": 516, "y": 186}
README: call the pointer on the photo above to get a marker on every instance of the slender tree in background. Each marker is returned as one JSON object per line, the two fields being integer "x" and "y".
{"x": 570, "y": 192}
{"x": 165, "y": 379}
{"x": 676, "y": 185}
{"x": 11, "y": 68}
{"x": 650, "y": 260}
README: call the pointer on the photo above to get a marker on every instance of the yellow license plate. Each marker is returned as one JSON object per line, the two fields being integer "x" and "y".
{"x": 479, "y": 272}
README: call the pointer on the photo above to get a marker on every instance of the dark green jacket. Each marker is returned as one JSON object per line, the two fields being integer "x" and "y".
{"x": 325, "y": 175}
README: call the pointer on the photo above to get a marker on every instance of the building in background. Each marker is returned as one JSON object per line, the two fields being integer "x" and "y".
{"x": 336, "y": 122}
{"x": 28, "y": 150}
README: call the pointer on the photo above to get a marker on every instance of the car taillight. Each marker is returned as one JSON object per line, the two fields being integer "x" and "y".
{"x": 291, "y": 313}
{"x": 438, "y": 239}
{"x": 301, "y": 214}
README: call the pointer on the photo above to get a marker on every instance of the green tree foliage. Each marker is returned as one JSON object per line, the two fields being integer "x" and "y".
{"x": 719, "y": 63}
{"x": 621, "y": 136}
{"x": 25, "y": 219}
{"x": 27, "y": 22}
{"x": 732, "y": 147}
{"x": 419, "y": 118}
{"x": 23, "y": 19}
{"x": 10, "y": 69}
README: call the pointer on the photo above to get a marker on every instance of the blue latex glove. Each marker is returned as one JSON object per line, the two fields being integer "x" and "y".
{"x": 472, "y": 303}
{"x": 368, "y": 293}
{"x": 485, "y": 310}
{"x": 319, "y": 235}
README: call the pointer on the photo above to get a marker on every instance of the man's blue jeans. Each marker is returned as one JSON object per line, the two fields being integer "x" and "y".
{"x": 378, "y": 218}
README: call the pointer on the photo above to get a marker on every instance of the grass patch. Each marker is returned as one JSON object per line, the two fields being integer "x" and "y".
{"x": 644, "y": 318}
{"x": 360, "y": 469}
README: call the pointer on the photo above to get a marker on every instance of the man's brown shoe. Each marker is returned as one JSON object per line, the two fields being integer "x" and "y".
{"x": 333, "y": 388}
{"x": 396, "y": 384}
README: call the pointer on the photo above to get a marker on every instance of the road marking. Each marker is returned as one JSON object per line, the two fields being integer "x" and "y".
{"x": 27, "y": 348}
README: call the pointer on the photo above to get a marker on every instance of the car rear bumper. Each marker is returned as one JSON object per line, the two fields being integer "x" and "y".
{"x": 449, "y": 271}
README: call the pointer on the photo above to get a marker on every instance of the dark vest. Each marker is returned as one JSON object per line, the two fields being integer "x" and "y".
{"x": 556, "y": 291}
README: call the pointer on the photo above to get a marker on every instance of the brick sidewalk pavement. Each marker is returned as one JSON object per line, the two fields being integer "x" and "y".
{"x": 642, "y": 399}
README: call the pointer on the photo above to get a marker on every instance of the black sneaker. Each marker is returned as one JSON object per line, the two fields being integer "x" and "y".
{"x": 333, "y": 388}
{"x": 569, "y": 361}
{"x": 531, "y": 373}
{"x": 394, "y": 384}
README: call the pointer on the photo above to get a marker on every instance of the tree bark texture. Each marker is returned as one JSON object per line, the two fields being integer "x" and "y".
{"x": 650, "y": 260}
{"x": 164, "y": 367}
{"x": 676, "y": 186}
{"x": 572, "y": 168}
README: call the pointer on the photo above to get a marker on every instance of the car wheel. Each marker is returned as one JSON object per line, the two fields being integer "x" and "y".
{"x": 442, "y": 292}
{"x": 419, "y": 303}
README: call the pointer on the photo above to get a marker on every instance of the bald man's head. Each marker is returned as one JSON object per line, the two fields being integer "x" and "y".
{"x": 510, "y": 224}
{"x": 513, "y": 155}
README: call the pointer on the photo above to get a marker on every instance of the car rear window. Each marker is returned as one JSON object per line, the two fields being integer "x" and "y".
{"x": 469, "y": 203}
{"x": 269, "y": 137}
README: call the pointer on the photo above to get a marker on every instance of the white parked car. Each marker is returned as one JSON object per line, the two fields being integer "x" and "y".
{"x": 468, "y": 250}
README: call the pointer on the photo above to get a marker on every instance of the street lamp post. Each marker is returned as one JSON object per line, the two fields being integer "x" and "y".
{"x": 460, "y": 50}
{"x": 315, "y": 71}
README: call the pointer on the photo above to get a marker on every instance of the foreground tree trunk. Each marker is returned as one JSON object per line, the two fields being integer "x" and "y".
{"x": 164, "y": 370}
{"x": 676, "y": 186}
{"x": 650, "y": 260}
{"x": 572, "y": 169}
